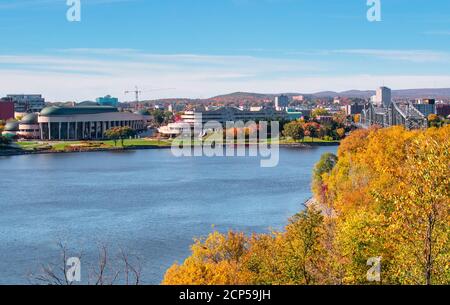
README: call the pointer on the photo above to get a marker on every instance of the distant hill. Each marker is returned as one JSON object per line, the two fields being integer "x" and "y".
{"x": 422, "y": 93}
{"x": 242, "y": 96}
{"x": 237, "y": 97}
{"x": 443, "y": 93}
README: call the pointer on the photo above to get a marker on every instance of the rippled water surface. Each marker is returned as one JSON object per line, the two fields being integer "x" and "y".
{"x": 146, "y": 201}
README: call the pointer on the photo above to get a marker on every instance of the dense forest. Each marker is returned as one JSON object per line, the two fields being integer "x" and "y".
{"x": 385, "y": 195}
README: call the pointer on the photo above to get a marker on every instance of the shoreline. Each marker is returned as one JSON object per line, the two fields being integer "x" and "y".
{"x": 19, "y": 152}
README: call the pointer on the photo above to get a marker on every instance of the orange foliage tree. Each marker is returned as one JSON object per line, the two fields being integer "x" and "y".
{"x": 386, "y": 194}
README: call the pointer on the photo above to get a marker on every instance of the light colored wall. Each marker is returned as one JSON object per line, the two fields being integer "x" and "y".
{"x": 100, "y": 117}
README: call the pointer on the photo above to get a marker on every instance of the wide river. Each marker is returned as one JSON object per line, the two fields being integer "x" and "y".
{"x": 148, "y": 202}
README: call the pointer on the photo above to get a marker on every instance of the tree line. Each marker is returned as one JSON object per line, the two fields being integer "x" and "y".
{"x": 335, "y": 128}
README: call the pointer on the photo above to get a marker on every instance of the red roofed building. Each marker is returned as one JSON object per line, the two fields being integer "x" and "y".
{"x": 6, "y": 109}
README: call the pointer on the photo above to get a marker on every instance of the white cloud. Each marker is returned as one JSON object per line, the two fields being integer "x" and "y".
{"x": 81, "y": 74}
{"x": 85, "y": 74}
{"x": 417, "y": 56}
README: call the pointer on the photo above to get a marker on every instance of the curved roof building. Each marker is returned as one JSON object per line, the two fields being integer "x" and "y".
{"x": 79, "y": 110}
{"x": 29, "y": 126}
{"x": 87, "y": 103}
{"x": 11, "y": 128}
{"x": 84, "y": 122}
{"x": 30, "y": 119}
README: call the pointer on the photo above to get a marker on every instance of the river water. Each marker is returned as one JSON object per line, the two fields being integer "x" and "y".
{"x": 147, "y": 201}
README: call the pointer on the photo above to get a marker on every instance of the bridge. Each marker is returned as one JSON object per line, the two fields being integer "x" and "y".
{"x": 397, "y": 113}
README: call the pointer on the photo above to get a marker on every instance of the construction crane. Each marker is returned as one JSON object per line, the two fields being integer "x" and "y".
{"x": 138, "y": 92}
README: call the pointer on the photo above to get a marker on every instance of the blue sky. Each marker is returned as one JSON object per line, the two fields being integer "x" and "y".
{"x": 208, "y": 47}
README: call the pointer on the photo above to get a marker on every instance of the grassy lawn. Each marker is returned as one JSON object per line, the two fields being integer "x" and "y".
{"x": 62, "y": 146}
{"x": 33, "y": 145}
{"x": 27, "y": 144}
{"x": 70, "y": 145}
{"x": 307, "y": 140}
{"x": 138, "y": 142}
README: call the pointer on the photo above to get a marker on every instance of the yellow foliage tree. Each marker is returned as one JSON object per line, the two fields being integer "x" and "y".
{"x": 387, "y": 194}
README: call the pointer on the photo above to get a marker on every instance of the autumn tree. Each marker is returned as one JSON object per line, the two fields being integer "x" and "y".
{"x": 214, "y": 260}
{"x": 386, "y": 194}
{"x": 319, "y": 112}
{"x": 434, "y": 120}
{"x": 294, "y": 130}
{"x": 303, "y": 253}
{"x": 419, "y": 224}
{"x": 340, "y": 133}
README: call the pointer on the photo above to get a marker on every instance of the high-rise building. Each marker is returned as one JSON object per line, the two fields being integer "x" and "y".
{"x": 426, "y": 106}
{"x": 426, "y": 109}
{"x": 108, "y": 101}
{"x": 281, "y": 102}
{"x": 27, "y": 102}
{"x": 427, "y": 101}
{"x": 353, "y": 109}
{"x": 383, "y": 96}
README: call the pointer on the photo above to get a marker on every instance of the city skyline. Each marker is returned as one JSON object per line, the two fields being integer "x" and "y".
{"x": 205, "y": 49}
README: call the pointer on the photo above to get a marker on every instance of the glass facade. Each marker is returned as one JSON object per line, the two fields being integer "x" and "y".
{"x": 108, "y": 101}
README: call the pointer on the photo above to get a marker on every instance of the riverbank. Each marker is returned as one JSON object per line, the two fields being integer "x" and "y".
{"x": 326, "y": 211}
{"x": 38, "y": 147}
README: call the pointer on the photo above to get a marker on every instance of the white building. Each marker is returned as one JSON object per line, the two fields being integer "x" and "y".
{"x": 225, "y": 114}
{"x": 29, "y": 127}
{"x": 281, "y": 102}
{"x": 383, "y": 97}
{"x": 172, "y": 129}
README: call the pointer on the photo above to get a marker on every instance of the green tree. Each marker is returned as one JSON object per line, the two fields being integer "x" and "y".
{"x": 294, "y": 130}
{"x": 161, "y": 117}
{"x": 319, "y": 112}
{"x": 4, "y": 140}
{"x": 326, "y": 163}
{"x": 113, "y": 134}
{"x": 125, "y": 132}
